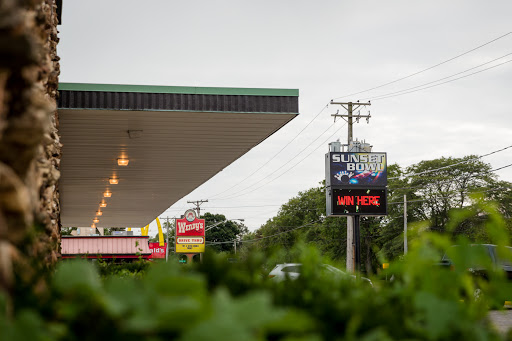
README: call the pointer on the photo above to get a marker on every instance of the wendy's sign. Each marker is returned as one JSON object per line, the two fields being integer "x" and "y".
{"x": 189, "y": 229}
{"x": 190, "y": 234}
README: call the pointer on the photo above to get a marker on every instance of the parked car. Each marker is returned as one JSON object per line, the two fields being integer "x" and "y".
{"x": 485, "y": 256}
{"x": 294, "y": 270}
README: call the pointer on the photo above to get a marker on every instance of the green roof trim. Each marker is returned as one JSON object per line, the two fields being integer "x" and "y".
{"x": 178, "y": 89}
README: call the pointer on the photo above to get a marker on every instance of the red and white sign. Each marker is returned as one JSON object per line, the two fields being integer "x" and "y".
{"x": 190, "y": 240}
{"x": 187, "y": 228}
{"x": 189, "y": 234}
{"x": 157, "y": 251}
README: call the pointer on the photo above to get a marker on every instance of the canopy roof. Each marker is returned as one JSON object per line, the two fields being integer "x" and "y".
{"x": 175, "y": 138}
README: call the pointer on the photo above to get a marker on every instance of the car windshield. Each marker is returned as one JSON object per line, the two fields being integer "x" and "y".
{"x": 292, "y": 268}
{"x": 477, "y": 256}
{"x": 506, "y": 258}
{"x": 331, "y": 268}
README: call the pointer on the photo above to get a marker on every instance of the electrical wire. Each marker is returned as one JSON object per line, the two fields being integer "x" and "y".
{"x": 320, "y": 220}
{"x": 394, "y": 189}
{"x": 273, "y": 235}
{"x": 427, "y": 69}
{"x": 388, "y": 95}
{"x": 449, "y": 166}
{"x": 286, "y": 171}
{"x": 432, "y": 86}
{"x": 296, "y": 155}
{"x": 273, "y": 157}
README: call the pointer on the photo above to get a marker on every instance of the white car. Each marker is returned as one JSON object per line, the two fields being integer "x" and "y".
{"x": 293, "y": 271}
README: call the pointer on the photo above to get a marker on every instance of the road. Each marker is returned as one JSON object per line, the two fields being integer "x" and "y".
{"x": 502, "y": 320}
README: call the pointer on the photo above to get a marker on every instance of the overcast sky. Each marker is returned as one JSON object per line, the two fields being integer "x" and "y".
{"x": 326, "y": 49}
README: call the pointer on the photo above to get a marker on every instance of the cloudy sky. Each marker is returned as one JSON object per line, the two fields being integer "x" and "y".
{"x": 326, "y": 49}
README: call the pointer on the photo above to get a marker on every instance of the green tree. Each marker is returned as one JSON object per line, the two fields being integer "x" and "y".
{"x": 219, "y": 237}
{"x": 295, "y": 220}
{"x": 433, "y": 189}
{"x": 172, "y": 233}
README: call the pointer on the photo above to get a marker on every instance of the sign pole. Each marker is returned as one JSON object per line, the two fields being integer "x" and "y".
{"x": 357, "y": 240}
{"x": 349, "y": 106}
{"x": 167, "y": 247}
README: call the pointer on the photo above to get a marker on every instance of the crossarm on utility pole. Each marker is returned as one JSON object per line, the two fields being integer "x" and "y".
{"x": 353, "y": 256}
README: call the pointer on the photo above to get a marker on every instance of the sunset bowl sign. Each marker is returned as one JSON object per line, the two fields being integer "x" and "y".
{"x": 190, "y": 234}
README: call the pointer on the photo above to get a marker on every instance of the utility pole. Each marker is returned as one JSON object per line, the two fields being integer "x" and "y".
{"x": 405, "y": 224}
{"x": 353, "y": 233}
{"x": 198, "y": 203}
{"x": 167, "y": 239}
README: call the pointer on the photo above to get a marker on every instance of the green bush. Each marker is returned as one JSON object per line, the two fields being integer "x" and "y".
{"x": 219, "y": 300}
{"x": 132, "y": 269}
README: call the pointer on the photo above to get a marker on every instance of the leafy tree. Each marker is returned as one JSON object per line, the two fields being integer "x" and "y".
{"x": 445, "y": 184}
{"x": 433, "y": 189}
{"x": 224, "y": 232}
{"x": 172, "y": 233}
{"x": 300, "y": 215}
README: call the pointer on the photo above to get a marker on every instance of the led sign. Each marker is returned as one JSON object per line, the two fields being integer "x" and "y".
{"x": 356, "y": 169}
{"x": 356, "y": 201}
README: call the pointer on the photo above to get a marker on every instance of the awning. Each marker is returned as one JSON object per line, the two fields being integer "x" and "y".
{"x": 175, "y": 138}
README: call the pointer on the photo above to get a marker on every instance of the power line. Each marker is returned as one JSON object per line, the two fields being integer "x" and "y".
{"x": 449, "y": 166}
{"x": 320, "y": 220}
{"x": 275, "y": 155}
{"x": 394, "y": 189}
{"x": 268, "y": 175}
{"x": 388, "y": 95}
{"x": 286, "y": 171}
{"x": 467, "y": 192}
{"x": 424, "y": 70}
{"x": 273, "y": 235}
{"x": 432, "y": 86}
{"x": 451, "y": 180}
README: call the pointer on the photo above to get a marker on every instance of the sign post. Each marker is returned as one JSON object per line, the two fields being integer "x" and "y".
{"x": 356, "y": 186}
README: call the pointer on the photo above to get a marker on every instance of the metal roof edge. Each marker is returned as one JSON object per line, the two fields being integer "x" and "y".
{"x": 178, "y": 89}
{"x": 188, "y": 111}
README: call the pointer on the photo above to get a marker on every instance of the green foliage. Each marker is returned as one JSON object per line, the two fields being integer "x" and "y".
{"x": 219, "y": 300}
{"x": 432, "y": 195}
{"x": 132, "y": 269}
{"x": 166, "y": 227}
{"x": 223, "y": 232}
{"x": 66, "y": 231}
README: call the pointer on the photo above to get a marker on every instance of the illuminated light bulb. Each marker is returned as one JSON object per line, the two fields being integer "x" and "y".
{"x": 103, "y": 204}
{"x": 93, "y": 226}
{"x": 123, "y": 162}
{"x": 96, "y": 220}
{"x": 113, "y": 181}
{"x": 107, "y": 194}
{"x": 99, "y": 213}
